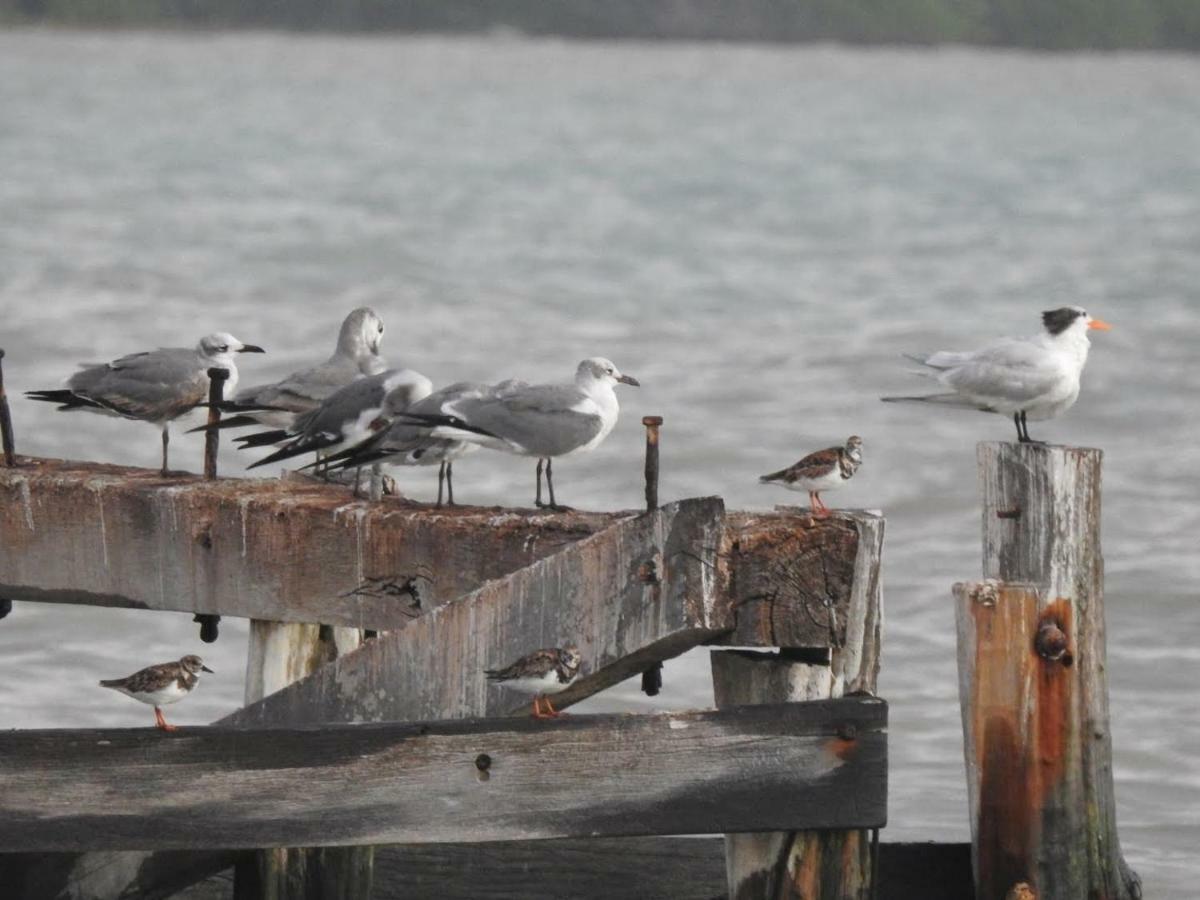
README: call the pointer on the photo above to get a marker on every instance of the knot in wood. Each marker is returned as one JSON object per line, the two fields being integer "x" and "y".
{"x": 647, "y": 572}
{"x": 1051, "y": 643}
{"x": 483, "y": 762}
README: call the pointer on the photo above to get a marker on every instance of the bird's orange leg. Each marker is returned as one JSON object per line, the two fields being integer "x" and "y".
{"x": 551, "y": 712}
{"x": 820, "y": 508}
{"x": 161, "y": 722}
{"x": 537, "y": 708}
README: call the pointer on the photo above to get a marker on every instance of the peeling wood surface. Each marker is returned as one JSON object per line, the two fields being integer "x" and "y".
{"x": 595, "y": 594}
{"x": 1042, "y": 721}
{"x": 290, "y": 550}
{"x": 779, "y": 767}
{"x": 794, "y": 575}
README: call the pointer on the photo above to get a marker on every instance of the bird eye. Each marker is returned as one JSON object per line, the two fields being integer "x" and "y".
{"x": 223, "y": 348}
{"x": 611, "y": 370}
{"x": 381, "y": 328}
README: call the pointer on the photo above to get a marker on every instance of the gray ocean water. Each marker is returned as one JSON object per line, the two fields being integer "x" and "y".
{"x": 755, "y": 232}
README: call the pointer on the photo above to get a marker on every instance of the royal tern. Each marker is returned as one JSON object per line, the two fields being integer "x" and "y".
{"x": 1027, "y": 378}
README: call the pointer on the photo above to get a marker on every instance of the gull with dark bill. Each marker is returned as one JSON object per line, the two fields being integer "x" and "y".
{"x": 158, "y": 386}
{"x": 1027, "y": 378}
{"x": 159, "y": 685}
{"x": 542, "y": 420}
{"x": 541, "y": 673}
{"x": 407, "y": 443}
{"x": 821, "y": 471}
{"x": 347, "y": 416}
{"x": 278, "y": 403}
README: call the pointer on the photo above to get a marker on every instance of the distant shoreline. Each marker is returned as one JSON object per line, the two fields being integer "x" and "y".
{"x": 1101, "y": 25}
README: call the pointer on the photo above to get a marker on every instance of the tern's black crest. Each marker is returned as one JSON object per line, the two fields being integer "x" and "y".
{"x": 1059, "y": 320}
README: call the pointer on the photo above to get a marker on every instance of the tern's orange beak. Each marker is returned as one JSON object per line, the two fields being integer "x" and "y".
{"x": 1099, "y": 325}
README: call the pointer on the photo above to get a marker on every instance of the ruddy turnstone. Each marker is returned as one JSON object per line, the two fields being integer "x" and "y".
{"x": 1027, "y": 378}
{"x": 158, "y": 386}
{"x": 820, "y": 471}
{"x": 541, "y": 420}
{"x": 541, "y": 673}
{"x": 159, "y": 685}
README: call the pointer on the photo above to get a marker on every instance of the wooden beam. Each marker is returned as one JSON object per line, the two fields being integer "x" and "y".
{"x": 289, "y": 550}
{"x": 1032, "y": 682}
{"x": 646, "y": 589}
{"x": 814, "y": 765}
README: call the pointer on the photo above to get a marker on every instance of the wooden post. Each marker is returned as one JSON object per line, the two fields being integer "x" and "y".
{"x": 279, "y": 654}
{"x": 814, "y": 865}
{"x": 1031, "y": 656}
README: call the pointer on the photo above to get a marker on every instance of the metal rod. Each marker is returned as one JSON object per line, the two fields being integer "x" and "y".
{"x": 652, "y": 424}
{"x": 212, "y": 437}
{"x": 6, "y": 428}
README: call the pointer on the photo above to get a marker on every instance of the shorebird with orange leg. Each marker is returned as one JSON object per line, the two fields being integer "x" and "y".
{"x": 541, "y": 673}
{"x": 821, "y": 471}
{"x": 159, "y": 685}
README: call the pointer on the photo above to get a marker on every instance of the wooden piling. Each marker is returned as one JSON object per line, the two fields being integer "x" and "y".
{"x": 841, "y": 657}
{"x": 1032, "y": 685}
{"x": 279, "y": 654}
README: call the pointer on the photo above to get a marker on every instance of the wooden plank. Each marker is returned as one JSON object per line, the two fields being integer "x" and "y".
{"x": 1032, "y": 681}
{"x": 815, "y": 865}
{"x": 644, "y": 590}
{"x": 811, "y": 765}
{"x": 288, "y": 550}
{"x": 682, "y": 868}
{"x": 793, "y": 575}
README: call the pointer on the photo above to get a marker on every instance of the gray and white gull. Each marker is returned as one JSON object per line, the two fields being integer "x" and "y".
{"x": 277, "y": 404}
{"x": 543, "y": 420}
{"x": 157, "y": 386}
{"x": 348, "y": 416}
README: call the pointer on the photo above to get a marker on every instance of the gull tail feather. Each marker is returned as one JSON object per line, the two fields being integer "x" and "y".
{"x": 261, "y": 439}
{"x": 239, "y": 421}
{"x": 431, "y": 421}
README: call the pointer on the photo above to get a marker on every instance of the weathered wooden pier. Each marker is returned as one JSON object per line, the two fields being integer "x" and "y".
{"x": 373, "y": 759}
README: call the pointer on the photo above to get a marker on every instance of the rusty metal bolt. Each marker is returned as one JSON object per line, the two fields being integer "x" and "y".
{"x": 652, "y": 423}
{"x": 6, "y": 427}
{"x": 1051, "y": 642}
{"x": 208, "y": 627}
{"x": 1020, "y": 891}
{"x": 483, "y": 762}
{"x": 847, "y": 731}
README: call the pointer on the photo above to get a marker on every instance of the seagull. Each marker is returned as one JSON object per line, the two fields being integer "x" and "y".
{"x": 277, "y": 404}
{"x": 541, "y": 673}
{"x": 406, "y": 443}
{"x": 347, "y": 416}
{"x": 1026, "y": 378}
{"x": 823, "y": 470}
{"x": 159, "y": 685}
{"x": 157, "y": 386}
{"x": 542, "y": 420}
